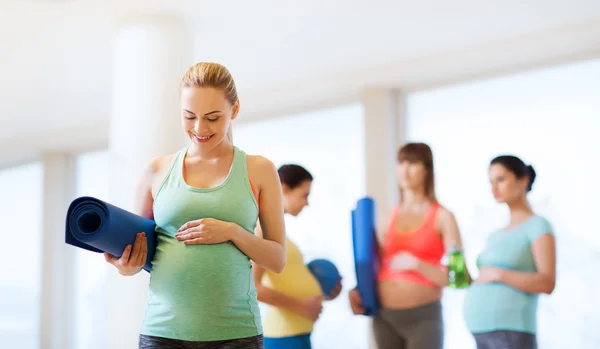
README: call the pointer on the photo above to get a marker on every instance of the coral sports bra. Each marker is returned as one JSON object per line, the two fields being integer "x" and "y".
{"x": 424, "y": 243}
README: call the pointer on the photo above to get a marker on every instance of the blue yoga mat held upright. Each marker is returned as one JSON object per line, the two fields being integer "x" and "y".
{"x": 366, "y": 253}
{"x": 97, "y": 226}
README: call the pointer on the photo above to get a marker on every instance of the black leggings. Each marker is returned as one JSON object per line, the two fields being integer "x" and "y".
{"x": 415, "y": 328}
{"x": 505, "y": 340}
{"x": 150, "y": 342}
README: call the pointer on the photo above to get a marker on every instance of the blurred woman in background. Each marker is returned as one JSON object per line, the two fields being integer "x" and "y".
{"x": 411, "y": 277}
{"x": 294, "y": 297}
{"x": 518, "y": 263}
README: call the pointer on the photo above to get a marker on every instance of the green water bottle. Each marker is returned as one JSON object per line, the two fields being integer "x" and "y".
{"x": 457, "y": 269}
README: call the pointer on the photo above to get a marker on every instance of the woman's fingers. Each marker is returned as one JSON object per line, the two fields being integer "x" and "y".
{"x": 110, "y": 258}
{"x": 189, "y": 225}
{"x": 137, "y": 246}
{"x": 193, "y": 233}
{"x": 125, "y": 256}
{"x": 196, "y": 241}
{"x": 143, "y": 251}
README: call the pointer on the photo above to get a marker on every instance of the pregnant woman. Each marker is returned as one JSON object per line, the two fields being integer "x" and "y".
{"x": 412, "y": 278}
{"x": 293, "y": 297}
{"x": 518, "y": 264}
{"x": 205, "y": 200}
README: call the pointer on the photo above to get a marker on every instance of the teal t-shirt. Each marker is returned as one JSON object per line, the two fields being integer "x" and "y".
{"x": 496, "y": 306}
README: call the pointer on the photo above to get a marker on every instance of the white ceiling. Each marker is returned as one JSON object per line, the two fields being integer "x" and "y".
{"x": 55, "y": 55}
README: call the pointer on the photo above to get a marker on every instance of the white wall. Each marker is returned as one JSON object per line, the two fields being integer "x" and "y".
{"x": 88, "y": 332}
{"x": 20, "y": 255}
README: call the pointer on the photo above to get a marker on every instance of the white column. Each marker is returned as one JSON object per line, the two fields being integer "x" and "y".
{"x": 384, "y": 130}
{"x": 384, "y": 127}
{"x": 151, "y": 54}
{"x": 57, "y": 257}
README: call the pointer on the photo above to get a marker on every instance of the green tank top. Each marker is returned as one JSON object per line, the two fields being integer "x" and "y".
{"x": 202, "y": 292}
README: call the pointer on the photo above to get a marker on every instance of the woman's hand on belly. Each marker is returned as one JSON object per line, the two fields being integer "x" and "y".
{"x": 311, "y": 308}
{"x": 205, "y": 231}
{"x": 404, "y": 261}
{"x": 489, "y": 274}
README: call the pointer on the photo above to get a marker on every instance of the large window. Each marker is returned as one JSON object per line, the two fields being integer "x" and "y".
{"x": 549, "y": 118}
{"x": 91, "y": 170}
{"x": 329, "y": 143}
{"x": 20, "y": 255}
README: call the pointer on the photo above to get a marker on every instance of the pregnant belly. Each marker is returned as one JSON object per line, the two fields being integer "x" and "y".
{"x": 490, "y": 297}
{"x": 203, "y": 275}
{"x": 396, "y": 294}
{"x": 296, "y": 281}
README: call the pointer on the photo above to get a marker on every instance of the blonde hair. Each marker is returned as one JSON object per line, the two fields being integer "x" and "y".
{"x": 214, "y": 75}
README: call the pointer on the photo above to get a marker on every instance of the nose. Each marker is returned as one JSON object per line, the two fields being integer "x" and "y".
{"x": 199, "y": 126}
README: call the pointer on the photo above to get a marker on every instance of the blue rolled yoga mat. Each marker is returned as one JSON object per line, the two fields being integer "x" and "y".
{"x": 366, "y": 253}
{"x": 97, "y": 226}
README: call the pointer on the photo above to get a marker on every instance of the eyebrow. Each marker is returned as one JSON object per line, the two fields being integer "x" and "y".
{"x": 207, "y": 114}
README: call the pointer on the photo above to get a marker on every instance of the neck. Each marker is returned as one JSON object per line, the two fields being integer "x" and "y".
{"x": 414, "y": 198}
{"x": 222, "y": 149}
{"x": 519, "y": 210}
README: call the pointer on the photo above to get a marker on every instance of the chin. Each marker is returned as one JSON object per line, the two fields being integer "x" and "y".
{"x": 296, "y": 213}
{"x": 404, "y": 186}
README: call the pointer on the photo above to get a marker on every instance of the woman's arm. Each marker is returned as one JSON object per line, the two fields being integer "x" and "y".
{"x": 133, "y": 257}
{"x": 144, "y": 199}
{"x": 451, "y": 236}
{"x": 433, "y": 273}
{"x": 308, "y": 307}
{"x": 267, "y": 251}
{"x": 542, "y": 281}
{"x": 381, "y": 229}
{"x": 269, "y": 296}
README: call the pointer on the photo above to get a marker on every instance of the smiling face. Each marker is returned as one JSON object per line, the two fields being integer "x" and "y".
{"x": 206, "y": 115}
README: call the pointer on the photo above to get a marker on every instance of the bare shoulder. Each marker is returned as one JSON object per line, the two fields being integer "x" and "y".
{"x": 445, "y": 220}
{"x": 260, "y": 169}
{"x": 159, "y": 164}
{"x": 444, "y": 215}
{"x": 383, "y": 224}
{"x": 259, "y": 163}
{"x": 156, "y": 170}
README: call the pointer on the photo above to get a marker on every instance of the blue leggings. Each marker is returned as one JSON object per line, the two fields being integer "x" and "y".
{"x": 296, "y": 342}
